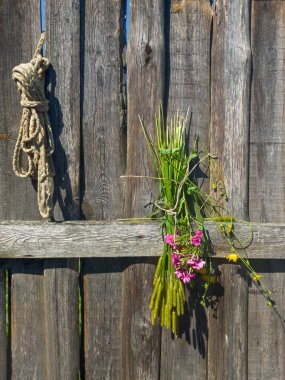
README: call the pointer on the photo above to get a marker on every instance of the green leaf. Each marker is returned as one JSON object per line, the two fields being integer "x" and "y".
{"x": 192, "y": 189}
{"x": 199, "y": 216}
{"x": 169, "y": 151}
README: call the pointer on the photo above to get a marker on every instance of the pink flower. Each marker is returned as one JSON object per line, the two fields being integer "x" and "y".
{"x": 179, "y": 273}
{"x": 199, "y": 233}
{"x": 196, "y": 263}
{"x": 187, "y": 277}
{"x": 191, "y": 262}
{"x": 175, "y": 259}
{"x": 196, "y": 241}
{"x": 169, "y": 239}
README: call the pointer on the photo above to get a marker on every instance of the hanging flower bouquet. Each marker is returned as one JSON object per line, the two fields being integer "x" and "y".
{"x": 182, "y": 207}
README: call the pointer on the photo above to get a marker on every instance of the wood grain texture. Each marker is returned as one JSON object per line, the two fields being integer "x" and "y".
{"x": 227, "y": 347}
{"x": 266, "y": 326}
{"x": 267, "y": 136}
{"x": 103, "y": 129}
{"x": 186, "y": 356}
{"x": 145, "y": 81}
{"x": 3, "y": 340}
{"x": 231, "y": 67}
{"x": 20, "y": 30}
{"x": 102, "y": 300}
{"x": 61, "y": 318}
{"x": 246, "y": 340}
{"x": 189, "y": 65}
{"x": 63, "y": 51}
{"x": 141, "y": 343}
{"x": 102, "y": 284}
{"x": 121, "y": 239}
{"x": 80, "y": 239}
{"x": 230, "y": 98}
{"x": 104, "y": 150}
{"x": 261, "y": 240}
{"x": 22, "y": 25}
{"x": 28, "y": 333}
{"x": 146, "y": 70}
{"x": 266, "y": 356}
{"x": 61, "y": 277}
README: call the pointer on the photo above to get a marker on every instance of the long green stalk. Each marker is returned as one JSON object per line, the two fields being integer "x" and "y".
{"x": 182, "y": 207}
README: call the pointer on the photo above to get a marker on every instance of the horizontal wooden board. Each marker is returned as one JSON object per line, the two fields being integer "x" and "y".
{"x": 125, "y": 239}
{"x": 79, "y": 239}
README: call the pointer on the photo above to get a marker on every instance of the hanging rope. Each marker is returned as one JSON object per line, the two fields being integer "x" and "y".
{"x": 35, "y": 144}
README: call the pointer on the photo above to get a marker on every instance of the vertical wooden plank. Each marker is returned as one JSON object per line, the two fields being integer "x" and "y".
{"x": 102, "y": 283}
{"x": 266, "y": 325}
{"x": 229, "y": 131}
{"x": 20, "y": 31}
{"x": 62, "y": 318}
{"x": 266, "y": 346}
{"x": 267, "y": 177}
{"x": 3, "y": 340}
{"x": 186, "y": 355}
{"x": 189, "y": 64}
{"x": 103, "y": 131}
{"x": 141, "y": 343}
{"x": 189, "y": 87}
{"x": 145, "y": 61}
{"x": 61, "y": 276}
{"x": 227, "y": 354}
{"x": 63, "y": 51}
{"x": 28, "y": 339}
{"x": 5, "y": 147}
{"x": 230, "y": 98}
{"x": 146, "y": 75}
{"x": 103, "y": 126}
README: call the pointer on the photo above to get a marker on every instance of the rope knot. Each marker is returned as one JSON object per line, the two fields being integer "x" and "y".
{"x": 39, "y": 106}
{"x": 35, "y": 139}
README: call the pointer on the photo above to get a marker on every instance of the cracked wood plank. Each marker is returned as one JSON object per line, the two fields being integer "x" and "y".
{"x": 145, "y": 81}
{"x": 103, "y": 162}
{"x": 188, "y": 67}
{"x": 124, "y": 239}
{"x": 267, "y": 202}
{"x": 231, "y": 65}
{"x": 20, "y": 30}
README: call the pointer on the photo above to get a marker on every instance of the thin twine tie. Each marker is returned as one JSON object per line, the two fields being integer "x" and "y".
{"x": 35, "y": 140}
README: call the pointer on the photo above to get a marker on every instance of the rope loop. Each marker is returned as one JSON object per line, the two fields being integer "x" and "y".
{"x": 35, "y": 144}
{"x": 39, "y": 106}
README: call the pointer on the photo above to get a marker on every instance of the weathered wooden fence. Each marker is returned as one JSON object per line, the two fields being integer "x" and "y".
{"x": 224, "y": 60}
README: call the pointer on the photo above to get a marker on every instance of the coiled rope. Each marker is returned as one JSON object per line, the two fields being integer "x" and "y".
{"x": 35, "y": 144}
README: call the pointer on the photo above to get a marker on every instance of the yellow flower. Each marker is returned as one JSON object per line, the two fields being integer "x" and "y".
{"x": 256, "y": 277}
{"x": 232, "y": 257}
{"x": 230, "y": 228}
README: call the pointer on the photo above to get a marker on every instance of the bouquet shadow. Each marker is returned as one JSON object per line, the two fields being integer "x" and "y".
{"x": 193, "y": 326}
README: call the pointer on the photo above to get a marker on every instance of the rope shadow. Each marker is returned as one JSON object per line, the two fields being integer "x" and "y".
{"x": 62, "y": 184}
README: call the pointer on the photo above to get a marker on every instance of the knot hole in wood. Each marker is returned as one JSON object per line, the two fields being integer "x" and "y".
{"x": 148, "y": 52}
